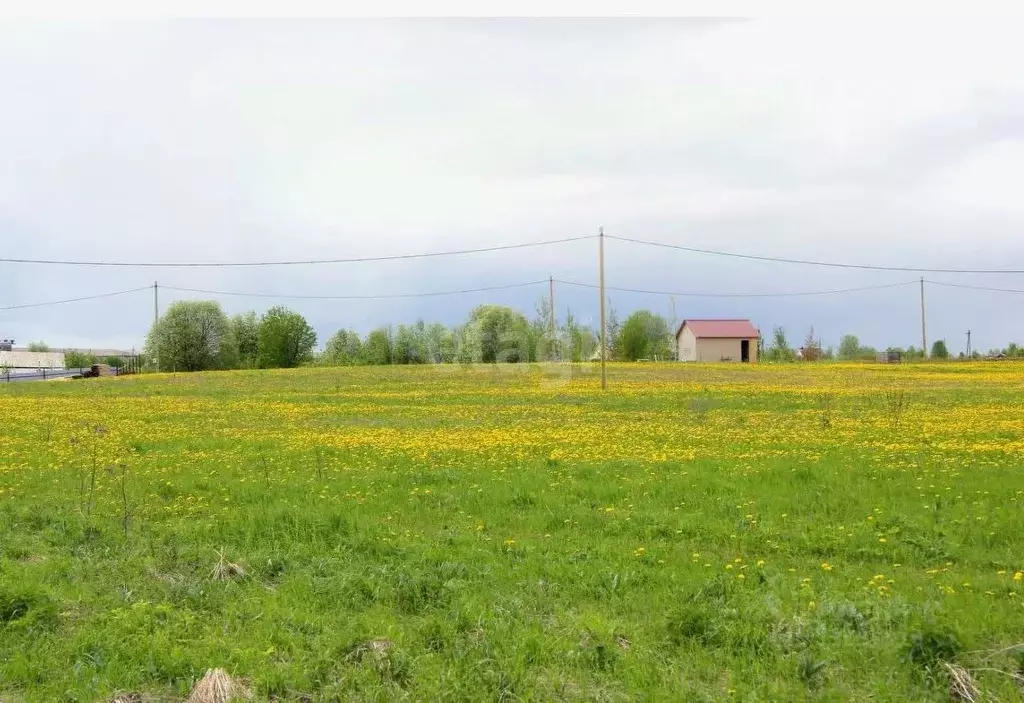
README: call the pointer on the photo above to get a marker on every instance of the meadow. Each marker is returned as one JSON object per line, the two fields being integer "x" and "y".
{"x": 695, "y": 532}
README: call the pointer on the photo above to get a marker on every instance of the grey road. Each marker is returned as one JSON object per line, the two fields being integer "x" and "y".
{"x": 22, "y": 375}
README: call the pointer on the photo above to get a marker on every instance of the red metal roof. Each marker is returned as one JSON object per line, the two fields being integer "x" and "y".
{"x": 720, "y": 329}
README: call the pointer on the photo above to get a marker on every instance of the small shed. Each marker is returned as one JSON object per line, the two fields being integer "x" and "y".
{"x": 717, "y": 340}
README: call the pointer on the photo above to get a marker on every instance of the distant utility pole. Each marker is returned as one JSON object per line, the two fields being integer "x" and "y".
{"x": 551, "y": 305}
{"x": 156, "y": 318}
{"x": 675, "y": 342}
{"x": 604, "y": 346}
{"x": 968, "y": 344}
{"x": 924, "y": 336}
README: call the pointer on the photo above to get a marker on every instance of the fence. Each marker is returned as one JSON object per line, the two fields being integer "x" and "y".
{"x": 129, "y": 365}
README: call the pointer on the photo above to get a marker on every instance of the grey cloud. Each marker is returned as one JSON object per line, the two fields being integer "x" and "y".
{"x": 244, "y": 140}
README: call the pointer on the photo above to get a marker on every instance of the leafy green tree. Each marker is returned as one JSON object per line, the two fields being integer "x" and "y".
{"x": 38, "y": 347}
{"x": 780, "y": 349}
{"x": 75, "y": 359}
{"x": 409, "y": 345}
{"x": 440, "y": 342}
{"x": 192, "y": 335}
{"x": 377, "y": 347}
{"x": 285, "y": 339}
{"x": 468, "y": 344}
{"x": 613, "y": 328}
{"x": 343, "y": 349}
{"x": 245, "y": 329}
{"x": 504, "y": 335}
{"x": 939, "y": 350}
{"x": 849, "y": 346}
{"x": 644, "y": 335}
{"x": 579, "y": 342}
{"x": 545, "y": 333}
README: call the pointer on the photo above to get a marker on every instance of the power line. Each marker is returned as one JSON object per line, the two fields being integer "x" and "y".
{"x": 353, "y": 260}
{"x": 741, "y": 295}
{"x": 74, "y": 300}
{"x": 484, "y": 289}
{"x": 808, "y": 262}
{"x": 428, "y": 294}
{"x": 384, "y": 296}
{"x": 506, "y": 247}
{"x": 964, "y": 285}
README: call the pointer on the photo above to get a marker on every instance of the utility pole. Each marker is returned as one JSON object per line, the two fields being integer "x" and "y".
{"x": 156, "y": 318}
{"x": 924, "y": 336}
{"x": 675, "y": 340}
{"x": 553, "y": 354}
{"x": 604, "y": 345}
{"x": 551, "y": 305}
{"x": 968, "y": 344}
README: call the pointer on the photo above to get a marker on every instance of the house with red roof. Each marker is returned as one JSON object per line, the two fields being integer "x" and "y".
{"x": 717, "y": 340}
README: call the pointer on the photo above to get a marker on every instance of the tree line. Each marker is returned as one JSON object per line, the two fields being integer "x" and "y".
{"x": 850, "y": 349}
{"x": 198, "y": 335}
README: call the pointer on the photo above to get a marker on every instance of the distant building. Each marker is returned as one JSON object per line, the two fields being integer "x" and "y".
{"x": 717, "y": 340}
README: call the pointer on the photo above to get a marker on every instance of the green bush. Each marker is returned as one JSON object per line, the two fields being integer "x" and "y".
{"x": 76, "y": 359}
{"x": 644, "y": 335}
{"x": 930, "y": 647}
{"x": 28, "y": 607}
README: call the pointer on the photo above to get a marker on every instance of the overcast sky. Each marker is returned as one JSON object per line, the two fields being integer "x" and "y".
{"x": 887, "y": 142}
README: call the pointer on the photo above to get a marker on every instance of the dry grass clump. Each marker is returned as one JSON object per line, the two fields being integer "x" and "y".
{"x": 961, "y": 684}
{"x": 377, "y": 647}
{"x": 218, "y": 687}
{"x": 130, "y": 697}
{"x": 225, "y": 570}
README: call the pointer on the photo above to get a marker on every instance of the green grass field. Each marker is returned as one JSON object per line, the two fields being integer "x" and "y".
{"x": 708, "y": 532}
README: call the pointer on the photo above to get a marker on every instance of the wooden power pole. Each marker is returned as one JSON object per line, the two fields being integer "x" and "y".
{"x": 604, "y": 345}
{"x": 924, "y": 336}
{"x": 551, "y": 306}
{"x": 156, "y": 318}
